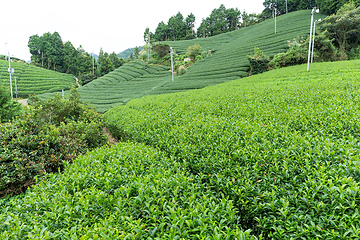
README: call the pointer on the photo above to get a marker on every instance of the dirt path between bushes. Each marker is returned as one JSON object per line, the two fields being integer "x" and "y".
{"x": 23, "y": 101}
{"x": 77, "y": 81}
{"x": 111, "y": 140}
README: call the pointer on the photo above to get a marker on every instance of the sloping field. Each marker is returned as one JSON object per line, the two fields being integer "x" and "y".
{"x": 228, "y": 62}
{"x": 272, "y": 156}
{"x": 133, "y": 80}
{"x": 230, "y": 50}
{"x": 34, "y": 80}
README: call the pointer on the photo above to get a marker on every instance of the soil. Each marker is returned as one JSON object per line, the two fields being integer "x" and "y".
{"x": 111, "y": 140}
{"x": 23, "y": 101}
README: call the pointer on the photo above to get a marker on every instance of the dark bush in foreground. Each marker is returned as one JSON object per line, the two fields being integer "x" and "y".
{"x": 8, "y": 107}
{"x": 43, "y": 138}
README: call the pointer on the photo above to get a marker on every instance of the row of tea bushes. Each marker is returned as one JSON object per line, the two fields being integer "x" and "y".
{"x": 127, "y": 191}
{"x": 35, "y": 80}
{"x": 283, "y": 146}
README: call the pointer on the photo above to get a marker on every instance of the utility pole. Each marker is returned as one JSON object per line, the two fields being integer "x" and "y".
{"x": 310, "y": 38}
{"x": 93, "y": 61}
{"x": 16, "y": 93}
{"x": 5, "y": 52}
{"x": 313, "y": 43}
{"x": 10, "y": 70}
{"x": 275, "y": 21}
{"x": 286, "y": 7}
{"x": 172, "y": 65}
{"x": 148, "y": 46}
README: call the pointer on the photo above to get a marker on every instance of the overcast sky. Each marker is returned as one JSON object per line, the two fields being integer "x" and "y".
{"x": 113, "y": 25}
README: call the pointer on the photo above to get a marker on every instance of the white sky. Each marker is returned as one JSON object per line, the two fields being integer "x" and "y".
{"x": 113, "y": 25}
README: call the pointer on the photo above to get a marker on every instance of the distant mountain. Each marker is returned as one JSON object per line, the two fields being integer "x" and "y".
{"x": 126, "y": 53}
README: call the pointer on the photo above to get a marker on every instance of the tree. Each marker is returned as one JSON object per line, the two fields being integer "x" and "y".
{"x": 280, "y": 6}
{"x": 190, "y": 23}
{"x": 250, "y": 19}
{"x": 148, "y": 36}
{"x": 329, "y": 7}
{"x": 344, "y": 27}
{"x": 69, "y": 58}
{"x": 106, "y": 65}
{"x": 232, "y": 17}
{"x": 193, "y": 51}
{"x": 136, "y": 52}
{"x": 116, "y": 62}
{"x": 161, "y": 49}
{"x": 162, "y": 32}
{"x": 177, "y": 27}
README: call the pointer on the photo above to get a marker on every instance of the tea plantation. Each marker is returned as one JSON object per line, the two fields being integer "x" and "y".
{"x": 275, "y": 155}
{"x": 227, "y": 62}
{"x": 34, "y": 80}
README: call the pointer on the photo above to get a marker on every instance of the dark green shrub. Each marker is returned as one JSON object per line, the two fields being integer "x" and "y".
{"x": 8, "y": 108}
{"x": 324, "y": 49}
{"x": 295, "y": 55}
{"x": 355, "y": 53}
{"x": 85, "y": 79}
{"x": 48, "y": 134}
{"x": 193, "y": 51}
{"x": 258, "y": 62}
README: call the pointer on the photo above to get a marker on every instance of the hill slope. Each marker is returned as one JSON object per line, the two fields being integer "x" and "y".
{"x": 276, "y": 154}
{"x": 34, "y": 80}
{"x": 228, "y": 62}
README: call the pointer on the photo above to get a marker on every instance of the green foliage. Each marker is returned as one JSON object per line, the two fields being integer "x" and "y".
{"x": 344, "y": 27}
{"x": 35, "y": 80}
{"x": 85, "y": 79}
{"x": 280, "y": 6}
{"x": 128, "y": 191}
{"x": 133, "y": 79}
{"x": 258, "y": 62}
{"x": 193, "y": 51}
{"x": 161, "y": 50}
{"x": 8, "y": 108}
{"x": 226, "y": 61}
{"x": 295, "y": 55}
{"x": 48, "y": 134}
{"x": 126, "y": 53}
{"x": 324, "y": 48}
{"x": 221, "y": 20}
{"x": 329, "y": 7}
{"x": 281, "y": 146}
{"x": 355, "y": 53}
{"x": 177, "y": 28}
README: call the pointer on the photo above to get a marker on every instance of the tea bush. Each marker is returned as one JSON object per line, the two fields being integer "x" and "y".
{"x": 128, "y": 191}
{"x": 48, "y": 134}
{"x": 8, "y": 108}
{"x": 282, "y": 146}
{"x": 32, "y": 80}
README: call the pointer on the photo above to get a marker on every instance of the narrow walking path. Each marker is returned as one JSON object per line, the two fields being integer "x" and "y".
{"x": 77, "y": 81}
{"x": 23, "y": 101}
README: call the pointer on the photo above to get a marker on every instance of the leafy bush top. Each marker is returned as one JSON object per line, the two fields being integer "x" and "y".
{"x": 48, "y": 134}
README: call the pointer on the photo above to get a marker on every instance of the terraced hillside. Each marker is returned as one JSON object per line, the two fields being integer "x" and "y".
{"x": 228, "y": 62}
{"x": 35, "y": 80}
{"x": 272, "y": 156}
{"x": 133, "y": 80}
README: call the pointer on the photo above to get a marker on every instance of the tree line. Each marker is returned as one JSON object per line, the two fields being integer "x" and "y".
{"x": 49, "y": 51}
{"x": 222, "y": 20}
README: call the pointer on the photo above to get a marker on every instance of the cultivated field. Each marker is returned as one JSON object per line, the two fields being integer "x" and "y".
{"x": 227, "y": 62}
{"x": 275, "y": 155}
{"x": 34, "y": 80}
